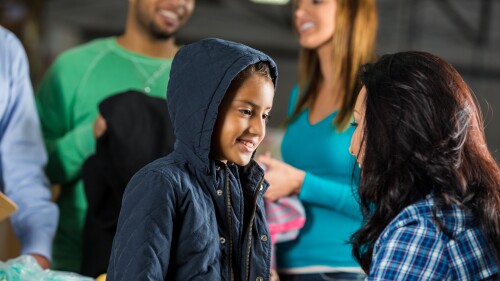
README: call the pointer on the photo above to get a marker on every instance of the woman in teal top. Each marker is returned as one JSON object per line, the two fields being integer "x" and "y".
{"x": 336, "y": 37}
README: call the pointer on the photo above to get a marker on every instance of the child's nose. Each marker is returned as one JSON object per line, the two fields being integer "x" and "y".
{"x": 258, "y": 126}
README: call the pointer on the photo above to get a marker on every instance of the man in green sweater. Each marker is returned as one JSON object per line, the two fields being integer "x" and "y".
{"x": 78, "y": 81}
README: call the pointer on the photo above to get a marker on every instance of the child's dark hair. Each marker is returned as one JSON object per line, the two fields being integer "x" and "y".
{"x": 261, "y": 68}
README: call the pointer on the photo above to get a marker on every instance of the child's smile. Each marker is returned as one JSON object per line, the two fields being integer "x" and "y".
{"x": 242, "y": 119}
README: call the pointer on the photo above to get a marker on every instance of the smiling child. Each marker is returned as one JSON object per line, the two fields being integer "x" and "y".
{"x": 198, "y": 213}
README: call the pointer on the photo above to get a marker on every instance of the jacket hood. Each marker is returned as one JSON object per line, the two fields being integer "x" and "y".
{"x": 199, "y": 78}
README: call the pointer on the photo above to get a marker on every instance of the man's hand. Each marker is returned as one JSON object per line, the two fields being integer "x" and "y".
{"x": 100, "y": 126}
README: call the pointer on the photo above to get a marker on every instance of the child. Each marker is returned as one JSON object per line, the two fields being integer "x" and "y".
{"x": 429, "y": 185}
{"x": 198, "y": 213}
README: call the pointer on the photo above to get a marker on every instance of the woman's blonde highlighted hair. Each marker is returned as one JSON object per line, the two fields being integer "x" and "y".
{"x": 353, "y": 42}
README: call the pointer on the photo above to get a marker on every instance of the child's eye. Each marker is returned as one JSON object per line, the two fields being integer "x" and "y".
{"x": 246, "y": 112}
{"x": 354, "y": 123}
{"x": 317, "y": 1}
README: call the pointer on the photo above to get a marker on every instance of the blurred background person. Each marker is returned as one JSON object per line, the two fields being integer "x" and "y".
{"x": 78, "y": 80}
{"x": 23, "y": 154}
{"x": 429, "y": 186}
{"x": 336, "y": 37}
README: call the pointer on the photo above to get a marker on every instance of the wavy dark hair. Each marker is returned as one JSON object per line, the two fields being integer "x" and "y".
{"x": 423, "y": 134}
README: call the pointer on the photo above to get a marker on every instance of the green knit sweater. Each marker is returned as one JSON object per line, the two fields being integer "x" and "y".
{"x": 67, "y": 101}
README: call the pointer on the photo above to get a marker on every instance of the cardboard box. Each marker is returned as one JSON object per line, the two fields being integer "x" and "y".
{"x": 7, "y": 207}
{"x": 9, "y": 244}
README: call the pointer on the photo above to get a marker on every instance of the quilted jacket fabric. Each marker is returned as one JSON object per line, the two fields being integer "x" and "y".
{"x": 187, "y": 216}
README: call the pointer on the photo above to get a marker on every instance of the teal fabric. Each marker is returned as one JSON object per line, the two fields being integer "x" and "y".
{"x": 332, "y": 211}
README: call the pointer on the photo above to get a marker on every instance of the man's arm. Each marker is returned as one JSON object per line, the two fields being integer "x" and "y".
{"x": 23, "y": 157}
{"x": 68, "y": 143}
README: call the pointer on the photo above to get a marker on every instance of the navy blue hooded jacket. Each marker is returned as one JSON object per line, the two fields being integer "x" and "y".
{"x": 187, "y": 216}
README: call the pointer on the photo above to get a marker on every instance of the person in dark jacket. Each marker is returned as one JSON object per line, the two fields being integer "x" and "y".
{"x": 198, "y": 213}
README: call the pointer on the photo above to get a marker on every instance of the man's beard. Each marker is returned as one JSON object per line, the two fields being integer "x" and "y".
{"x": 157, "y": 34}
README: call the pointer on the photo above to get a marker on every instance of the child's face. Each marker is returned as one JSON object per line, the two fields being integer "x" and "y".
{"x": 242, "y": 119}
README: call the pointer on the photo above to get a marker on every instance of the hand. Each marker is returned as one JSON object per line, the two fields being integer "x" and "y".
{"x": 283, "y": 178}
{"x": 274, "y": 275}
{"x": 100, "y": 126}
{"x": 42, "y": 261}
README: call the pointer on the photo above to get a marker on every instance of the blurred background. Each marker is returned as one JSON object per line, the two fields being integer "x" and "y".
{"x": 464, "y": 32}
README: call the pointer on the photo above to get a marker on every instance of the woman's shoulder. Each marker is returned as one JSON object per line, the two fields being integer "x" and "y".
{"x": 418, "y": 219}
{"x": 414, "y": 220}
{"x": 415, "y": 240}
{"x": 453, "y": 218}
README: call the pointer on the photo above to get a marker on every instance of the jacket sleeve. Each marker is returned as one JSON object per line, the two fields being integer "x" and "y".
{"x": 142, "y": 244}
{"x": 67, "y": 145}
{"x": 23, "y": 158}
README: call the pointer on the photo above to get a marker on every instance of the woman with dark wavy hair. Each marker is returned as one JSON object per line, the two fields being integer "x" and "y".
{"x": 429, "y": 189}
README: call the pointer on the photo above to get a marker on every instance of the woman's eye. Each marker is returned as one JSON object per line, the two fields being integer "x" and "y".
{"x": 317, "y": 1}
{"x": 354, "y": 123}
{"x": 266, "y": 117}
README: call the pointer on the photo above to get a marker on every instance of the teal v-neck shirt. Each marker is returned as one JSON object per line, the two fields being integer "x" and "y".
{"x": 327, "y": 193}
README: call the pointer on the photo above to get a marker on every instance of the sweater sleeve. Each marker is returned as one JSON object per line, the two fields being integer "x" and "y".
{"x": 341, "y": 197}
{"x": 142, "y": 243}
{"x": 67, "y": 145}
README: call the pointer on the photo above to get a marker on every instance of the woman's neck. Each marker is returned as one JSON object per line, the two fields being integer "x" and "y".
{"x": 328, "y": 96}
{"x": 324, "y": 53}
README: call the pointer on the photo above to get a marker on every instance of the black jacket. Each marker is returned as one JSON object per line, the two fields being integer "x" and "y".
{"x": 186, "y": 216}
{"x": 138, "y": 132}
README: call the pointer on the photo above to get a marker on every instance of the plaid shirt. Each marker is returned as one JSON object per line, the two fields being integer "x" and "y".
{"x": 412, "y": 247}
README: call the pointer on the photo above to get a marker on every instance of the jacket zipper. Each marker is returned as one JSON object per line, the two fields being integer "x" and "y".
{"x": 229, "y": 217}
{"x": 250, "y": 227}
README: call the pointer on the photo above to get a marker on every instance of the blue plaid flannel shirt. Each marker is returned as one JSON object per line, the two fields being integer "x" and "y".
{"x": 412, "y": 247}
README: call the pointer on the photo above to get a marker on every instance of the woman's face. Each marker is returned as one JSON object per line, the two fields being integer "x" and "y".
{"x": 356, "y": 148}
{"x": 315, "y": 22}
